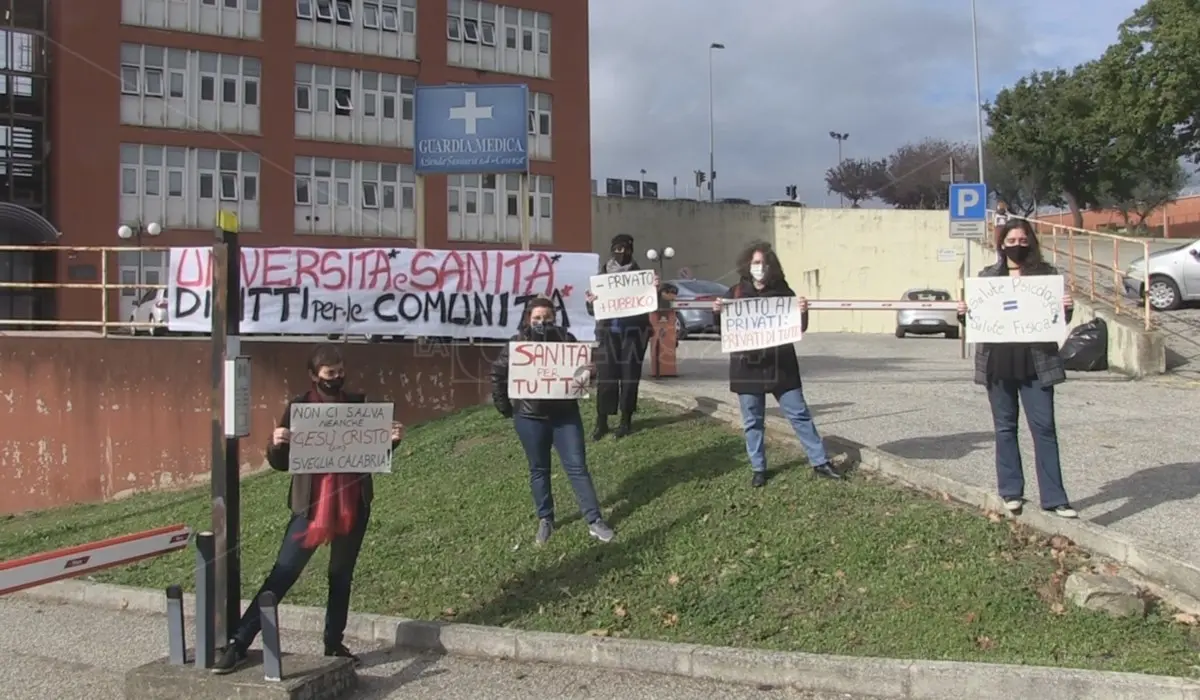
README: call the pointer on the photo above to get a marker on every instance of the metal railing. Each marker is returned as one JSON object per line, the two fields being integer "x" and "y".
{"x": 106, "y": 320}
{"x": 1091, "y": 263}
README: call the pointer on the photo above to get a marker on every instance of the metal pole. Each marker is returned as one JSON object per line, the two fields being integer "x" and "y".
{"x": 219, "y": 474}
{"x": 841, "y": 199}
{"x": 978, "y": 138}
{"x": 232, "y": 584}
{"x": 205, "y": 610}
{"x": 176, "y": 639}
{"x": 272, "y": 663}
{"x": 712, "y": 133}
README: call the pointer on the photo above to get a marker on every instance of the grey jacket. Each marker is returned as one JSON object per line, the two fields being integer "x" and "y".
{"x": 1046, "y": 362}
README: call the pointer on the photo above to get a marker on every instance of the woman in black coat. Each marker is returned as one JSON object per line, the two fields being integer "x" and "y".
{"x": 755, "y": 373}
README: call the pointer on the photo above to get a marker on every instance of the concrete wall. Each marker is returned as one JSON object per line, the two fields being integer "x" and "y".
{"x": 827, "y": 253}
{"x": 91, "y": 419}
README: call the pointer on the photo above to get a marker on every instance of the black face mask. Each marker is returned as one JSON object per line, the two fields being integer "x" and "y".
{"x": 623, "y": 257}
{"x": 1017, "y": 253}
{"x": 540, "y": 328}
{"x": 330, "y": 387}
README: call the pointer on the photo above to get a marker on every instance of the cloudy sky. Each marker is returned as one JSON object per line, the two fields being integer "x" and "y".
{"x": 884, "y": 71}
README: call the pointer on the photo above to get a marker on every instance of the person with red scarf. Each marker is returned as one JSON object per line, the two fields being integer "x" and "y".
{"x": 326, "y": 509}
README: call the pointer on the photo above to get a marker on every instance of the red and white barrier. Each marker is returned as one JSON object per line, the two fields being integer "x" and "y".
{"x": 37, "y": 569}
{"x": 832, "y": 304}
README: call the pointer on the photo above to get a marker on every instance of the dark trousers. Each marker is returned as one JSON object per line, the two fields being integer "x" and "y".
{"x": 1007, "y": 397}
{"x": 619, "y": 370}
{"x": 293, "y": 557}
{"x": 563, "y": 433}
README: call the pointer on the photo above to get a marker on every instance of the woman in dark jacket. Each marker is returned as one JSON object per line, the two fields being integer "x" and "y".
{"x": 549, "y": 423}
{"x": 755, "y": 373}
{"x": 1017, "y": 374}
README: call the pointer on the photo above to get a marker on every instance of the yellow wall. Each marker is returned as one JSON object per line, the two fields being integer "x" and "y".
{"x": 843, "y": 254}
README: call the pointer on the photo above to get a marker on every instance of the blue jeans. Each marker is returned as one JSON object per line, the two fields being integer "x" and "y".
{"x": 795, "y": 409}
{"x": 564, "y": 433}
{"x": 293, "y": 557}
{"x": 1007, "y": 397}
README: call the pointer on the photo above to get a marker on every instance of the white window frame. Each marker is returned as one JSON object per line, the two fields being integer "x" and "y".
{"x": 324, "y": 10}
{"x": 371, "y": 14}
{"x": 343, "y": 99}
{"x": 454, "y": 27}
{"x": 251, "y": 74}
{"x": 304, "y": 9}
{"x": 221, "y": 174}
{"x": 213, "y": 76}
{"x": 303, "y": 85}
{"x": 540, "y": 110}
{"x": 541, "y": 191}
{"x": 470, "y": 30}
{"x": 343, "y": 11}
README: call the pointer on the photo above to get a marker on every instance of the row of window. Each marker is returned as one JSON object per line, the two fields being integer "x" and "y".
{"x": 186, "y": 187}
{"x": 386, "y": 15}
{"x": 155, "y": 71}
{"x": 236, "y": 19}
{"x": 473, "y": 22}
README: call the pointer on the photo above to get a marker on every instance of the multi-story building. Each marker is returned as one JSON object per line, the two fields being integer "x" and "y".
{"x": 298, "y": 116}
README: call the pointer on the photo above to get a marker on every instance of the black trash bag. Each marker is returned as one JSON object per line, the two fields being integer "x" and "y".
{"x": 1086, "y": 348}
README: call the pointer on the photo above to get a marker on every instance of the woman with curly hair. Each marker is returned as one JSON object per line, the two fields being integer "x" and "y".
{"x": 755, "y": 373}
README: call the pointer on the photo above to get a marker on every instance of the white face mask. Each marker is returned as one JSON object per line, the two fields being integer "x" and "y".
{"x": 756, "y": 271}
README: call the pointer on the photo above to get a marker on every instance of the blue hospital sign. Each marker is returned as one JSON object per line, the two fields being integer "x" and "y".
{"x": 477, "y": 129}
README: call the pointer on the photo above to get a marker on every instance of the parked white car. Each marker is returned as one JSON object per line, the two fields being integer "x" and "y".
{"x": 927, "y": 321}
{"x": 150, "y": 308}
{"x": 1174, "y": 276}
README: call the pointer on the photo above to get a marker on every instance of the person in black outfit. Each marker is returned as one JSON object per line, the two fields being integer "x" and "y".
{"x": 1017, "y": 374}
{"x": 622, "y": 348}
{"x": 755, "y": 373}
{"x": 325, "y": 508}
{"x": 545, "y": 424}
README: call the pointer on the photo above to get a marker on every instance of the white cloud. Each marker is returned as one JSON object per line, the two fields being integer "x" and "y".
{"x": 885, "y": 71}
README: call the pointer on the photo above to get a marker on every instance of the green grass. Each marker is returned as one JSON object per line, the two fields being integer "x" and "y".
{"x": 862, "y": 568}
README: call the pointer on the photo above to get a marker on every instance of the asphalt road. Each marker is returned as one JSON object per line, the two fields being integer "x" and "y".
{"x": 71, "y": 652}
{"x": 1128, "y": 447}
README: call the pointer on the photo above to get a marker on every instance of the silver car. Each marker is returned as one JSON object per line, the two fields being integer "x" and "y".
{"x": 927, "y": 321}
{"x": 689, "y": 321}
{"x": 1174, "y": 277}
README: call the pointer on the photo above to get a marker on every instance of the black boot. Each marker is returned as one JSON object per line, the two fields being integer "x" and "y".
{"x": 827, "y": 471}
{"x": 625, "y": 427}
{"x": 601, "y": 428}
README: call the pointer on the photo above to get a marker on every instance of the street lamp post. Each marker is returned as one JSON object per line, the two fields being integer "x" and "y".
{"x": 839, "y": 137}
{"x": 663, "y": 314}
{"x": 712, "y": 129}
{"x": 126, "y": 232}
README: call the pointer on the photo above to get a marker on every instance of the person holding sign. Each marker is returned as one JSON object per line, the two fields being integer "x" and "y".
{"x": 623, "y": 333}
{"x": 325, "y": 508}
{"x": 1019, "y": 373}
{"x": 773, "y": 370}
{"x": 552, "y": 422}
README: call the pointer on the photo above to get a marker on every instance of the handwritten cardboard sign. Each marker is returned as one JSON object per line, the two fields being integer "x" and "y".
{"x": 385, "y": 291}
{"x": 341, "y": 438}
{"x": 1016, "y": 309}
{"x": 548, "y": 370}
{"x": 760, "y": 322}
{"x": 624, "y": 294}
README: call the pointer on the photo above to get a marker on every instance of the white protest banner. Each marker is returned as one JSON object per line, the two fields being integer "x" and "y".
{"x": 548, "y": 370}
{"x": 624, "y": 294}
{"x": 341, "y": 438}
{"x": 1016, "y": 309}
{"x": 760, "y": 322}
{"x": 385, "y": 291}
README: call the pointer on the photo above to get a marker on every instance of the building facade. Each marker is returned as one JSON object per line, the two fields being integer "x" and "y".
{"x": 298, "y": 116}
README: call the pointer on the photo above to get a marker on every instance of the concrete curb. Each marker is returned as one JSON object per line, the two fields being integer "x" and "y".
{"x": 1175, "y": 580}
{"x": 880, "y": 678}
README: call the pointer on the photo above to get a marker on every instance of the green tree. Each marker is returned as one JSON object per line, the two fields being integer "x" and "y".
{"x": 1047, "y": 127}
{"x": 1151, "y": 79}
{"x": 1137, "y": 196}
{"x": 1022, "y": 192}
{"x": 856, "y": 180}
{"x": 919, "y": 174}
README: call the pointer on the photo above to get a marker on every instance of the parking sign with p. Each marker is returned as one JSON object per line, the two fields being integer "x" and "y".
{"x": 968, "y": 210}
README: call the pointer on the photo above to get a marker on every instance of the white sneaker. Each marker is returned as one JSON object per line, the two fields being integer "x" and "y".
{"x": 1013, "y": 505}
{"x": 1066, "y": 512}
